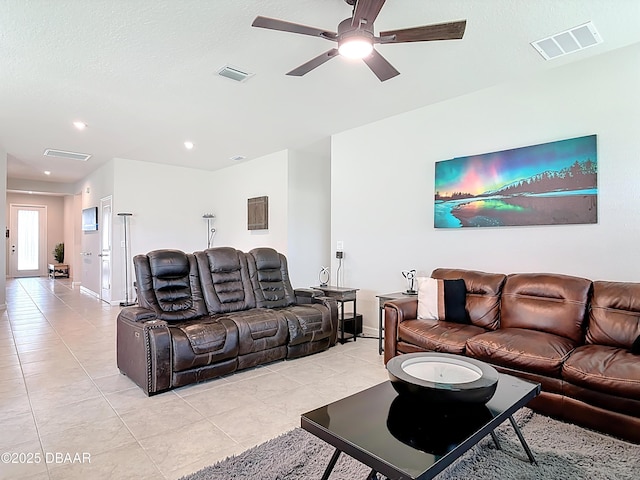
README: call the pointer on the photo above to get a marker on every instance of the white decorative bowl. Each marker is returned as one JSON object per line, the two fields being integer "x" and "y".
{"x": 443, "y": 377}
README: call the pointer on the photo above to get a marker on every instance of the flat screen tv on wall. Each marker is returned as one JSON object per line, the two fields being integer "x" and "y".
{"x": 90, "y": 219}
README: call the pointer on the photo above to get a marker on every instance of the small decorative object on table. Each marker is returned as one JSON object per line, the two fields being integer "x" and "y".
{"x": 324, "y": 276}
{"x": 58, "y": 269}
{"x": 58, "y": 253}
{"x": 442, "y": 377}
{"x": 410, "y": 275}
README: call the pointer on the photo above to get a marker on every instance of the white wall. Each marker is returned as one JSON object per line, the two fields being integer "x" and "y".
{"x": 383, "y": 177}
{"x": 3, "y": 239}
{"x": 168, "y": 202}
{"x": 233, "y": 186}
{"x": 94, "y": 187}
{"x": 309, "y": 222}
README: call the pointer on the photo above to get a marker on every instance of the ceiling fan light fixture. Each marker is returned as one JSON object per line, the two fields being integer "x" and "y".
{"x": 355, "y": 47}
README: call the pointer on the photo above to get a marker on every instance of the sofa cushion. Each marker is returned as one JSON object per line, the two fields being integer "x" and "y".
{"x": 437, "y": 336}
{"x": 205, "y": 336}
{"x": 442, "y": 300}
{"x": 307, "y": 323}
{"x": 225, "y": 280}
{"x": 202, "y": 342}
{"x": 168, "y": 284}
{"x": 614, "y": 318}
{"x": 550, "y": 303}
{"x": 606, "y": 369}
{"x": 483, "y": 294}
{"x": 269, "y": 277}
{"x": 259, "y": 329}
{"x": 522, "y": 349}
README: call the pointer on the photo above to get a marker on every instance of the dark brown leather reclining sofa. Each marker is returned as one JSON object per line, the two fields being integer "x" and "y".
{"x": 570, "y": 334}
{"x": 211, "y": 313}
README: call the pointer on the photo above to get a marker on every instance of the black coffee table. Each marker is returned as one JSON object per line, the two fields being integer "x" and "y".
{"x": 404, "y": 439}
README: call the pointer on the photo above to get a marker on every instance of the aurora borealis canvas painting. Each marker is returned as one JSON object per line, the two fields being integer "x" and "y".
{"x": 548, "y": 184}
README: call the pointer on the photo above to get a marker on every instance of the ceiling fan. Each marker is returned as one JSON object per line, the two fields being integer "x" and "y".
{"x": 356, "y": 37}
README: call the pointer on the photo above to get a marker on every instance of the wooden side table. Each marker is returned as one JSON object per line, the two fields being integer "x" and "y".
{"x": 343, "y": 295}
{"x": 58, "y": 270}
{"x": 382, "y": 299}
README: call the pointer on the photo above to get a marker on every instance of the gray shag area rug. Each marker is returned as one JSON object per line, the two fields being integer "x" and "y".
{"x": 563, "y": 452}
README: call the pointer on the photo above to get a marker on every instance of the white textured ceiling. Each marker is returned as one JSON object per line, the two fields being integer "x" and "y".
{"x": 142, "y": 73}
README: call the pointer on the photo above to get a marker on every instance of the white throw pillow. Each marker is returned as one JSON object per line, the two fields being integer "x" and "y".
{"x": 430, "y": 304}
{"x": 440, "y": 299}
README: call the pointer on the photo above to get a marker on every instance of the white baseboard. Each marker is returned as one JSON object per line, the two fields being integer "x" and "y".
{"x": 370, "y": 331}
{"x": 89, "y": 292}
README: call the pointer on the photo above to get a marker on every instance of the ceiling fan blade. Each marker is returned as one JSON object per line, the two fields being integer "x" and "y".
{"x": 379, "y": 65}
{"x": 313, "y": 63}
{"x": 281, "y": 25}
{"x": 426, "y": 33}
{"x": 367, "y": 11}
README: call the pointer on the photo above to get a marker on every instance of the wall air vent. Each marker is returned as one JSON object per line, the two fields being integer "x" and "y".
{"x": 234, "y": 74}
{"x": 50, "y": 152}
{"x": 569, "y": 41}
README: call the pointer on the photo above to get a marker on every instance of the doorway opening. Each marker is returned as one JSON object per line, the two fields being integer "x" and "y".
{"x": 27, "y": 240}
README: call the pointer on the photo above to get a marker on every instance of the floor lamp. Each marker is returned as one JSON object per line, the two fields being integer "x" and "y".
{"x": 210, "y": 231}
{"x": 125, "y": 219}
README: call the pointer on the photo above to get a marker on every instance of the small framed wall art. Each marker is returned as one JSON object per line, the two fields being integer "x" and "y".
{"x": 258, "y": 213}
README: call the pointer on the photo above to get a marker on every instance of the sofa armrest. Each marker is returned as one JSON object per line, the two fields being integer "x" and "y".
{"x": 313, "y": 295}
{"x": 137, "y": 314}
{"x": 306, "y": 295}
{"x": 332, "y": 305}
{"x": 407, "y": 308}
{"x": 395, "y": 312}
{"x": 143, "y": 350}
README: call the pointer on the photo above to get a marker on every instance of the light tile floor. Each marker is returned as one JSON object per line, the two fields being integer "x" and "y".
{"x": 62, "y": 398}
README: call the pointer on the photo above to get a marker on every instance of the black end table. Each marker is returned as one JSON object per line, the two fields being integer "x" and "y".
{"x": 382, "y": 299}
{"x": 343, "y": 295}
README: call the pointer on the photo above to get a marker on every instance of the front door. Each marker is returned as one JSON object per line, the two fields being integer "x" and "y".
{"x": 105, "y": 249}
{"x": 27, "y": 240}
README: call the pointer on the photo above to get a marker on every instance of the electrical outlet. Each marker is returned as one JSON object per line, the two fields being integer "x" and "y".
{"x": 122, "y": 244}
{"x": 340, "y": 245}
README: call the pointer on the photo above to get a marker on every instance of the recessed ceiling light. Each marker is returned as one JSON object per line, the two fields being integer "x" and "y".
{"x": 47, "y": 172}
{"x": 80, "y": 125}
{"x": 188, "y": 145}
{"x": 237, "y": 158}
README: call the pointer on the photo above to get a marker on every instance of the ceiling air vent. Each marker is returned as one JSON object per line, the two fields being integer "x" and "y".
{"x": 234, "y": 74}
{"x": 50, "y": 152}
{"x": 569, "y": 41}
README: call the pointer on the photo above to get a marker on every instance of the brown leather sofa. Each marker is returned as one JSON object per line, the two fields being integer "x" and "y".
{"x": 570, "y": 334}
{"x": 211, "y": 313}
